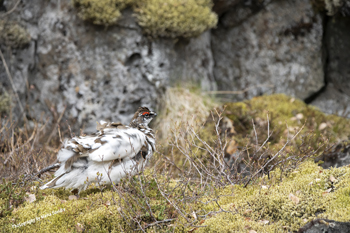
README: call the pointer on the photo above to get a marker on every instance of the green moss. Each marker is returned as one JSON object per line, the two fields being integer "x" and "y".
{"x": 5, "y": 103}
{"x": 174, "y": 18}
{"x": 270, "y": 201}
{"x": 264, "y": 207}
{"x": 11, "y": 196}
{"x": 286, "y": 116}
{"x": 101, "y": 12}
{"x": 169, "y": 18}
{"x": 12, "y": 34}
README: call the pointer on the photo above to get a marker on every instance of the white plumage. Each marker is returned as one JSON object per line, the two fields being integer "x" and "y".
{"x": 112, "y": 152}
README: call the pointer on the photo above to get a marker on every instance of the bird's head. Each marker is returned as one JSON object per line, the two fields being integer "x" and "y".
{"x": 143, "y": 116}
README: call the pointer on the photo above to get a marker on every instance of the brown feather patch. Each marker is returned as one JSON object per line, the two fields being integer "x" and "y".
{"x": 70, "y": 161}
{"x": 52, "y": 183}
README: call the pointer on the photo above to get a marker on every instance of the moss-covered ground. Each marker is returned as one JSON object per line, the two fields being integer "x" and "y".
{"x": 269, "y": 205}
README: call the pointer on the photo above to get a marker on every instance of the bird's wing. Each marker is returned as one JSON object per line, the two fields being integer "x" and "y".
{"x": 113, "y": 141}
{"x": 118, "y": 144}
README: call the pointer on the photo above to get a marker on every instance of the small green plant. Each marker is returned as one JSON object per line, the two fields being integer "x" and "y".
{"x": 11, "y": 196}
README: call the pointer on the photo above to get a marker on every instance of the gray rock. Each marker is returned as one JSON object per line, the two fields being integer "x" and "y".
{"x": 325, "y": 225}
{"x": 337, "y": 156}
{"x": 332, "y": 101}
{"x": 222, "y": 6}
{"x": 338, "y": 44}
{"x": 335, "y": 99}
{"x": 272, "y": 51}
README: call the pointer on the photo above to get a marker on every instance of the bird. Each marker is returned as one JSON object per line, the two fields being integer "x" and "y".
{"x": 107, "y": 156}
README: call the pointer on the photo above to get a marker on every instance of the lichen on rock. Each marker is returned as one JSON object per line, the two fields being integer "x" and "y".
{"x": 174, "y": 18}
{"x": 12, "y": 34}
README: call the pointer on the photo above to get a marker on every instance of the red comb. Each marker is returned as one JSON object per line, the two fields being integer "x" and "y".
{"x": 145, "y": 113}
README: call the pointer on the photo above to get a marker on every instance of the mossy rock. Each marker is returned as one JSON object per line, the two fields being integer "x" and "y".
{"x": 307, "y": 193}
{"x": 281, "y": 116}
{"x": 175, "y": 18}
{"x": 286, "y": 116}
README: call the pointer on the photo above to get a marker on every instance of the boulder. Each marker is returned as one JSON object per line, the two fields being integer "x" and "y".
{"x": 325, "y": 225}
{"x": 273, "y": 50}
{"x": 336, "y": 97}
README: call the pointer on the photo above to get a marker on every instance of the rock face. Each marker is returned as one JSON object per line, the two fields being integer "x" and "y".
{"x": 336, "y": 97}
{"x": 95, "y": 73}
{"x": 90, "y": 73}
{"x": 269, "y": 51}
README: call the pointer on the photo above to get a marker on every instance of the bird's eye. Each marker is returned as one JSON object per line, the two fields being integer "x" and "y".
{"x": 146, "y": 115}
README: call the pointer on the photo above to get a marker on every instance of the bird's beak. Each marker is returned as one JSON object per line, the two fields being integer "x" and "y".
{"x": 153, "y": 114}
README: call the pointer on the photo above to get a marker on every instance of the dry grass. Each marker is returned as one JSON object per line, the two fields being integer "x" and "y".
{"x": 180, "y": 108}
{"x": 26, "y": 150}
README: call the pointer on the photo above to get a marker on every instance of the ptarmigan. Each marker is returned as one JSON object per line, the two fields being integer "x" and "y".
{"x": 113, "y": 151}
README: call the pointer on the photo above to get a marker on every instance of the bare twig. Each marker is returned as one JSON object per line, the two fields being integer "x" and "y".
{"x": 13, "y": 85}
{"x": 12, "y": 10}
{"x": 58, "y": 122}
{"x": 263, "y": 167}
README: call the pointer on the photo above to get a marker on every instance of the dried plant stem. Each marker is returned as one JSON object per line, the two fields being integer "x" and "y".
{"x": 58, "y": 122}
{"x": 12, "y": 10}
{"x": 13, "y": 85}
{"x": 270, "y": 160}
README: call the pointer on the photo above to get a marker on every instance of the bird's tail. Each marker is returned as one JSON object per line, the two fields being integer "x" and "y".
{"x": 52, "y": 183}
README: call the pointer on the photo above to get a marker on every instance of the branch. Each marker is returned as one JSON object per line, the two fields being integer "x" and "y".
{"x": 13, "y": 85}
{"x": 10, "y": 11}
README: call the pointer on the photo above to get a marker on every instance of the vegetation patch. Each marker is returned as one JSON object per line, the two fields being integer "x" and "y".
{"x": 5, "y": 103}
{"x": 174, "y": 18}
{"x": 101, "y": 12}
{"x": 272, "y": 204}
{"x": 267, "y": 130}
{"x": 12, "y": 34}
{"x": 283, "y": 115}
{"x": 170, "y": 18}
